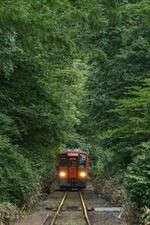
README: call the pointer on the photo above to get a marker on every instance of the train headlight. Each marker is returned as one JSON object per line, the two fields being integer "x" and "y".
{"x": 62, "y": 174}
{"x": 82, "y": 174}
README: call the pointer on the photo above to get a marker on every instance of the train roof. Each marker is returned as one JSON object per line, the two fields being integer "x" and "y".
{"x": 73, "y": 152}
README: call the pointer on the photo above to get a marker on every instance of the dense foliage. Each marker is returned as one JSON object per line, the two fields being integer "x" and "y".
{"x": 17, "y": 179}
{"x": 134, "y": 131}
{"x": 74, "y": 73}
{"x": 117, "y": 113}
{"x": 40, "y": 84}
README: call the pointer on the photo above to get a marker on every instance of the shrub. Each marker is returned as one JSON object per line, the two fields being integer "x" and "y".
{"x": 137, "y": 181}
{"x": 146, "y": 216}
{"x": 8, "y": 213}
{"x": 18, "y": 182}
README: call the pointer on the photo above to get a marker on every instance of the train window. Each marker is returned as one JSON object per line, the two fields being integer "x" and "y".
{"x": 82, "y": 161}
{"x": 63, "y": 160}
{"x": 72, "y": 163}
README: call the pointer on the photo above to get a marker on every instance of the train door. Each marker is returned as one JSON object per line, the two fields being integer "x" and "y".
{"x": 73, "y": 170}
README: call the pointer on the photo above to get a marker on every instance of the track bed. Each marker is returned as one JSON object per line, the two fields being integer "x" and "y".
{"x": 71, "y": 211}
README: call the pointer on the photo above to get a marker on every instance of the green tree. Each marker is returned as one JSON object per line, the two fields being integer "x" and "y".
{"x": 39, "y": 85}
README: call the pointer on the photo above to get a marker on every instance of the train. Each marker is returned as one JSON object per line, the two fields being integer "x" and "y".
{"x": 72, "y": 169}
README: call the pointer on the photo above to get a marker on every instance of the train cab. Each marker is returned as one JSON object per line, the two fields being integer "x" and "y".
{"x": 72, "y": 169}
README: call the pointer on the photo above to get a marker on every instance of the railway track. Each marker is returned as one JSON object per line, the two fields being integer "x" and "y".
{"x": 49, "y": 221}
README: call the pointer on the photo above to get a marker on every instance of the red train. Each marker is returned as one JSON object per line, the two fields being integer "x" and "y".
{"x": 72, "y": 169}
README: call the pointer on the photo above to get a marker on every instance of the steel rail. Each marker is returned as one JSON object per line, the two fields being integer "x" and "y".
{"x": 84, "y": 210}
{"x": 45, "y": 220}
{"x": 59, "y": 208}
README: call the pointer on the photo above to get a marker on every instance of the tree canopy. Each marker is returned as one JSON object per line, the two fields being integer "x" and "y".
{"x": 74, "y": 74}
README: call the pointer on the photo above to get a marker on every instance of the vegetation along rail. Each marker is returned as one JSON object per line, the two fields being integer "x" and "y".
{"x": 47, "y": 221}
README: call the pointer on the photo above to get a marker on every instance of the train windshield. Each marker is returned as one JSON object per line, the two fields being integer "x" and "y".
{"x": 63, "y": 160}
{"x": 82, "y": 161}
{"x": 72, "y": 163}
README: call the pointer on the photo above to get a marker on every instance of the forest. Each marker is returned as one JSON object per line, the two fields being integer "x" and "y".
{"x": 75, "y": 74}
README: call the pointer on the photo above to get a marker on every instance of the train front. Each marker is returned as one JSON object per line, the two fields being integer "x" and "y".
{"x": 72, "y": 169}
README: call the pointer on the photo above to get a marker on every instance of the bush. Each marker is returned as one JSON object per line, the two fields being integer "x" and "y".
{"x": 146, "y": 216}
{"x": 137, "y": 181}
{"x": 18, "y": 182}
{"x": 8, "y": 213}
